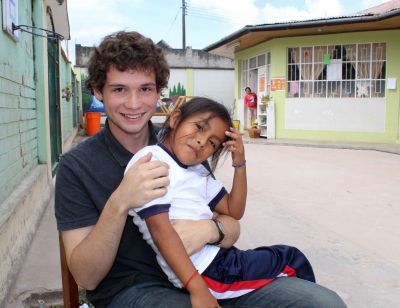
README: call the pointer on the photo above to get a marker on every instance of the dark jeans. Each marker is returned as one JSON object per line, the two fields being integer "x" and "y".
{"x": 283, "y": 292}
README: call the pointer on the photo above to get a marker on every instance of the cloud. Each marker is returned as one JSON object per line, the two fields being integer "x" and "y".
{"x": 237, "y": 13}
{"x": 91, "y": 20}
{"x": 313, "y": 9}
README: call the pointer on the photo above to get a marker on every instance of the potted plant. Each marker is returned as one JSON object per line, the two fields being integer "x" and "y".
{"x": 265, "y": 99}
{"x": 254, "y": 131}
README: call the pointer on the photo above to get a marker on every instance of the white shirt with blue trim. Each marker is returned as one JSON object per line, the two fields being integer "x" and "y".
{"x": 192, "y": 193}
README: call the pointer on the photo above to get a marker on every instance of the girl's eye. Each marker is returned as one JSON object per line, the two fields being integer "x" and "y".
{"x": 198, "y": 126}
{"x": 213, "y": 144}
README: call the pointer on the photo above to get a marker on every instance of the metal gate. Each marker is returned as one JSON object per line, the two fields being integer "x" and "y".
{"x": 75, "y": 111}
{"x": 54, "y": 101}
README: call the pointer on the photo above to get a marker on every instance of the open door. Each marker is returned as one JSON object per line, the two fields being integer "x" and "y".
{"x": 54, "y": 101}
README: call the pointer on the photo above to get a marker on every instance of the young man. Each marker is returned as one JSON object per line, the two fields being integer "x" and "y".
{"x": 105, "y": 251}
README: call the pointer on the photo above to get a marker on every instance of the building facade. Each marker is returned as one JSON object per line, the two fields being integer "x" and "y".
{"x": 38, "y": 120}
{"x": 334, "y": 79}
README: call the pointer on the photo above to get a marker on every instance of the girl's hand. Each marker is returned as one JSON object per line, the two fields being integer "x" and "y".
{"x": 203, "y": 300}
{"x": 235, "y": 146}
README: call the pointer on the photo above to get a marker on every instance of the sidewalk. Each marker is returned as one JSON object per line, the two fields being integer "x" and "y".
{"x": 341, "y": 207}
{"x": 381, "y": 147}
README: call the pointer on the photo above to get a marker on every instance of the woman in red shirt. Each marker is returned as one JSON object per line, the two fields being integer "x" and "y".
{"x": 250, "y": 101}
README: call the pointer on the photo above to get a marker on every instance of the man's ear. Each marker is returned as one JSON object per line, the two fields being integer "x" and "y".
{"x": 97, "y": 93}
{"x": 174, "y": 118}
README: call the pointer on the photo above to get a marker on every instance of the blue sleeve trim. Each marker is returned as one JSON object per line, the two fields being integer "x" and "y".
{"x": 213, "y": 203}
{"x": 153, "y": 210}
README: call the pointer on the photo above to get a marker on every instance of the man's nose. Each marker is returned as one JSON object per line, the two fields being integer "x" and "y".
{"x": 133, "y": 100}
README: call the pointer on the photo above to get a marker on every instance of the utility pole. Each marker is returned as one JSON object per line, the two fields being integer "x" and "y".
{"x": 183, "y": 24}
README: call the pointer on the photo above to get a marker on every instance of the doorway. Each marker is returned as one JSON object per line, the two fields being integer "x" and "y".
{"x": 54, "y": 101}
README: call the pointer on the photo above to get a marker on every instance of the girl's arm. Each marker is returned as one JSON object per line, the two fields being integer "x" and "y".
{"x": 234, "y": 203}
{"x": 171, "y": 248}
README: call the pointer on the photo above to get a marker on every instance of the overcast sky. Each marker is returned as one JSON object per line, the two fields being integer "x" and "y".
{"x": 207, "y": 21}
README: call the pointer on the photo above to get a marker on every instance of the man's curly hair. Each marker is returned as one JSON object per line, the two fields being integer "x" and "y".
{"x": 127, "y": 51}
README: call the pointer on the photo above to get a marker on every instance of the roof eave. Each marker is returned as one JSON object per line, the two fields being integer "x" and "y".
{"x": 302, "y": 24}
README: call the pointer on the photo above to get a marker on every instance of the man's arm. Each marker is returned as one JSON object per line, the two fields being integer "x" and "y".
{"x": 91, "y": 251}
{"x": 196, "y": 234}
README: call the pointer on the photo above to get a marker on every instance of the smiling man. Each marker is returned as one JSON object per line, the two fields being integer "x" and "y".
{"x": 105, "y": 251}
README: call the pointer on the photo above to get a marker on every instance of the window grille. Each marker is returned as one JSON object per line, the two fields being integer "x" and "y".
{"x": 335, "y": 71}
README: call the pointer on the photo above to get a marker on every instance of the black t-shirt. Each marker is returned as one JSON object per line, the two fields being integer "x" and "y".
{"x": 86, "y": 177}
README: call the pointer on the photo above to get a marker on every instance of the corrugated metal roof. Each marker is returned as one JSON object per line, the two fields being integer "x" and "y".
{"x": 382, "y": 8}
{"x": 353, "y": 19}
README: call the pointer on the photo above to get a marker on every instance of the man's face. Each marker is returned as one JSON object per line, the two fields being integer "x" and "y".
{"x": 129, "y": 99}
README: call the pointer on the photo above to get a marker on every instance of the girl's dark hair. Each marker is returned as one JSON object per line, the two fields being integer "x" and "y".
{"x": 127, "y": 51}
{"x": 247, "y": 88}
{"x": 196, "y": 106}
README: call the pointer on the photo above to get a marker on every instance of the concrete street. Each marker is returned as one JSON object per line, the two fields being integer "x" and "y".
{"x": 341, "y": 207}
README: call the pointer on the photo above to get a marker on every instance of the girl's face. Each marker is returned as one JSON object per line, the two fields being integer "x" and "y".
{"x": 195, "y": 139}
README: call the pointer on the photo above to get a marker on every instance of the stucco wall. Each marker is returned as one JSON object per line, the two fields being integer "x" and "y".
{"x": 195, "y": 58}
{"x": 215, "y": 84}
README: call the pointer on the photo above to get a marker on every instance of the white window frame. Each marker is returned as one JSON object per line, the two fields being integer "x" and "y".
{"x": 257, "y": 64}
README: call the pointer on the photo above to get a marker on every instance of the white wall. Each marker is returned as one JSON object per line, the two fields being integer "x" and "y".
{"x": 345, "y": 114}
{"x": 215, "y": 84}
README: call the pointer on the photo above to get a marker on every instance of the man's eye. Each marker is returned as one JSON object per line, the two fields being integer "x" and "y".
{"x": 148, "y": 89}
{"x": 118, "y": 90}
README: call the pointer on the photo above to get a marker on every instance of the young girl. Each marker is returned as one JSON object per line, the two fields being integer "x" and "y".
{"x": 201, "y": 130}
{"x": 250, "y": 100}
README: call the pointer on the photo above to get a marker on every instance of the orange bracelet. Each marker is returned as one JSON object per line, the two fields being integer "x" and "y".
{"x": 190, "y": 279}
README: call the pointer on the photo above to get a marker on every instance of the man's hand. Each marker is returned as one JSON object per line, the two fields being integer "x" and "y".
{"x": 195, "y": 234}
{"x": 143, "y": 182}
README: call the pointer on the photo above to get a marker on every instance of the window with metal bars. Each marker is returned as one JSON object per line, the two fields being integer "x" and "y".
{"x": 335, "y": 71}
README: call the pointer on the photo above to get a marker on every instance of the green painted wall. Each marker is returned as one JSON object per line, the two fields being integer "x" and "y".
{"x": 278, "y": 49}
{"x": 41, "y": 85}
{"x": 18, "y": 118}
{"x": 66, "y": 105}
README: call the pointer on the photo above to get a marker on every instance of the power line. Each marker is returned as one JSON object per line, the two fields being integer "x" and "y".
{"x": 217, "y": 15}
{"x": 170, "y": 27}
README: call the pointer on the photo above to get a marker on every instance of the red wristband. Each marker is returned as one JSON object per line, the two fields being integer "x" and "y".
{"x": 190, "y": 279}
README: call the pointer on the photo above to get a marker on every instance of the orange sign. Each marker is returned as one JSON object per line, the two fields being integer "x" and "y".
{"x": 278, "y": 84}
{"x": 261, "y": 83}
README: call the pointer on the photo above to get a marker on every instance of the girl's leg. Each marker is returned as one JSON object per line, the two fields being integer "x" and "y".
{"x": 236, "y": 272}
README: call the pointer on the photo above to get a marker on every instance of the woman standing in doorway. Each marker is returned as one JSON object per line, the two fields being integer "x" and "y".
{"x": 250, "y": 101}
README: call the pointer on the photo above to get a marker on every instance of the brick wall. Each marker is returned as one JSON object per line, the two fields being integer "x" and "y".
{"x": 18, "y": 115}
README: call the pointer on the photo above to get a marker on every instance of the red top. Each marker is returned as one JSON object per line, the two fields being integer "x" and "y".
{"x": 250, "y": 100}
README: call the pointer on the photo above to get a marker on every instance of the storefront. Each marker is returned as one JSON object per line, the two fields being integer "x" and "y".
{"x": 329, "y": 79}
